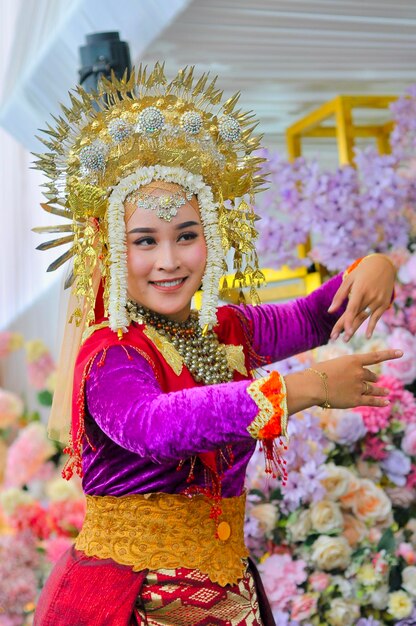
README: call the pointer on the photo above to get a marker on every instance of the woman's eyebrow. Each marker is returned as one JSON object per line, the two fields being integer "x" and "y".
{"x": 154, "y": 230}
{"x": 187, "y": 225}
{"x": 142, "y": 230}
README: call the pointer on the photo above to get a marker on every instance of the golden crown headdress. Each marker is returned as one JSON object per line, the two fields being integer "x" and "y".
{"x": 136, "y": 130}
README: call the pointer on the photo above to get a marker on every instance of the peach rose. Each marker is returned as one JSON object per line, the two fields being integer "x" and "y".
{"x": 331, "y": 552}
{"x": 371, "y": 503}
{"x": 326, "y": 516}
{"x": 266, "y": 514}
{"x": 299, "y": 528}
{"x": 354, "y": 529}
{"x": 348, "y": 498}
{"x": 337, "y": 481}
{"x": 11, "y": 408}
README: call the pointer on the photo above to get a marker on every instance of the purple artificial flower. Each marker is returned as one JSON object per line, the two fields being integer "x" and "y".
{"x": 396, "y": 466}
{"x": 368, "y": 621}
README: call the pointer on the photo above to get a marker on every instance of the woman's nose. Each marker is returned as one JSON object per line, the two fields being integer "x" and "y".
{"x": 168, "y": 259}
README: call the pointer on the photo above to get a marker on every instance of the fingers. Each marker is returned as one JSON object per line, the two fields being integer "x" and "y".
{"x": 372, "y": 358}
{"x": 375, "y": 316}
{"x": 340, "y": 295}
{"x": 374, "y": 390}
{"x": 359, "y": 319}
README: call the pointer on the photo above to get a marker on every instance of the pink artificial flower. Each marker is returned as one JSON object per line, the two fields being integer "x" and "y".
{"x": 409, "y": 440}
{"x": 39, "y": 371}
{"x": 9, "y": 342}
{"x": 11, "y": 408}
{"x": 319, "y": 581}
{"x": 374, "y": 535}
{"x": 281, "y": 576}
{"x": 303, "y": 606}
{"x": 27, "y": 454}
{"x": 380, "y": 564}
{"x": 31, "y": 517}
{"x": 407, "y": 271}
{"x": 374, "y": 448}
{"x": 404, "y": 368}
{"x": 56, "y": 547}
{"x": 375, "y": 418}
{"x": 67, "y": 516}
{"x": 407, "y": 552}
{"x": 411, "y": 478}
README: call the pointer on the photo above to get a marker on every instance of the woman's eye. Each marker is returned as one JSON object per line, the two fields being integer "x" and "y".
{"x": 187, "y": 236}
{"x": 144, "y": 241}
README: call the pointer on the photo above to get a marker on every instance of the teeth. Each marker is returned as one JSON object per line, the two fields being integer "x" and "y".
{"x": 169, "y": 283}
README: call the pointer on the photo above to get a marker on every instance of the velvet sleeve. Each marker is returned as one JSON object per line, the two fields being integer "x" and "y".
{"x": 126, "y": 401}
{"x": 282, "y": 330}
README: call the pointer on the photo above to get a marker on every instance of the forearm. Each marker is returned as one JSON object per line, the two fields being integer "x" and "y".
{"x": 304, "y": 389}
{"x": 128, "y": 405}
{"x": 282, "y": 330}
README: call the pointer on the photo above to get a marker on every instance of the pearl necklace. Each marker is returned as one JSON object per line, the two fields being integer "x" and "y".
{"x": 203, "y": 355}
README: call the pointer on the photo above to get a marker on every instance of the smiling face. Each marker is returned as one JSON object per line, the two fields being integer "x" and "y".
{"x": 165, "y": 259}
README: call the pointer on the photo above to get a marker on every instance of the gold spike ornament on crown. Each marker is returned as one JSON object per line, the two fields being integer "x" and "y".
{"x": 131, "y": 132}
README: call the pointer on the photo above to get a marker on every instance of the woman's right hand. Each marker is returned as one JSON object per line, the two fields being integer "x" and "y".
{"x": 349, "y": 383}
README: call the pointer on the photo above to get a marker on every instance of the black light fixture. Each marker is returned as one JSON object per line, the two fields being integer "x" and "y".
{"x": 103, "y": 53}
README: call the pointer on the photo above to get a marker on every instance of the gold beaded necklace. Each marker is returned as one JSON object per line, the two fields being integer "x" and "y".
{"x": 203, "y": 355}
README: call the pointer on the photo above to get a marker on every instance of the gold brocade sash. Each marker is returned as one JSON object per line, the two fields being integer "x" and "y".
{"x": 166, "y": 531}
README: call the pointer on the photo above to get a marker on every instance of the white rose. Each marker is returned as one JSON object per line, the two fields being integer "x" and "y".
{"x": 336, "y": 481}
{"x": 331, "y": 552}
{"x": 58, "y": 489}
{"x": 326, "y": 516}
{"x": 266, "y": 514}
{"x": 409, "y": 580}
{"x": 342, "y": 613}
{"x": 380, "y": 597}
{"x": 13, "y": 497}
{"x": 299, "y": 528}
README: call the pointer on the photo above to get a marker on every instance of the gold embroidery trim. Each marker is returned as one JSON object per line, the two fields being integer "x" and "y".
{"x": 235, "y": 359}
{"x": 166, "y": 531}
{"x": 266, "y": 408}
{"x": 169, "y": 353}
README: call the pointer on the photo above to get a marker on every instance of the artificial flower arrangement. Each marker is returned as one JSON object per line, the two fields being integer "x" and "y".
{"x": 40, "y": 514}
{"x": 346, "y": 212}
{"x": 336, "y": 545}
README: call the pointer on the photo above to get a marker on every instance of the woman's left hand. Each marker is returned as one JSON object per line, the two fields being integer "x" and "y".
{"x": 369, "y": 289}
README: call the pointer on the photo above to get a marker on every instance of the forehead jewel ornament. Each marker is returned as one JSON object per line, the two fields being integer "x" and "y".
{"x": 109, "y": 144}
{"x": 166, "y": 205}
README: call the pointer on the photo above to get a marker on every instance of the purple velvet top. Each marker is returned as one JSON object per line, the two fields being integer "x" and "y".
{"x": 140, "y": 434}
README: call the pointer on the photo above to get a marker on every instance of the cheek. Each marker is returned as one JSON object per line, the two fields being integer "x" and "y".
{"x": 138, "y": 264}
{"x": 199, "y": 257}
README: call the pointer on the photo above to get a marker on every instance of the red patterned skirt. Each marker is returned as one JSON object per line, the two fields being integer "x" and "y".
{"x": 86, "y": 591}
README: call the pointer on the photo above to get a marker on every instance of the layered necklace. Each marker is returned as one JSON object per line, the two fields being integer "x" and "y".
{"x": 203, "y": 355}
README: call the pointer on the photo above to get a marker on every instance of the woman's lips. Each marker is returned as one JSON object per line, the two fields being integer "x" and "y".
{"x": 168, "y": 285}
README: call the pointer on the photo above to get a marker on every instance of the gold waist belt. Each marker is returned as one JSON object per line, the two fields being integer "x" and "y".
{"x": 166, "y": 531}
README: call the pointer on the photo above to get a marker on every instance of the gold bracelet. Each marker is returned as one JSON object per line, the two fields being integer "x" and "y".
{"x": 324, "y": 378}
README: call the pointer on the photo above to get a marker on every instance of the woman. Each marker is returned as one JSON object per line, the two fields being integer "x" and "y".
{"x": 165, "y": 410}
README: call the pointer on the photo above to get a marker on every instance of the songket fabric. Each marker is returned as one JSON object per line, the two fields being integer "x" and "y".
{"x": 145, "y": 430}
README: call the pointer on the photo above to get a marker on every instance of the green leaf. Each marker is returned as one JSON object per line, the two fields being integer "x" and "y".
{"x": 45, "y": 398}
{"x": 257, "y": 492}
{"x": 387, "y": 542}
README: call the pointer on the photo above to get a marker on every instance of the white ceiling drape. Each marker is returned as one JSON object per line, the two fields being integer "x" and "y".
{"x": 39, "y": 41}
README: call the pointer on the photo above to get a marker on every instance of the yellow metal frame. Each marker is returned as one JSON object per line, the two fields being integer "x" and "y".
{"x": 344, "y": 130}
